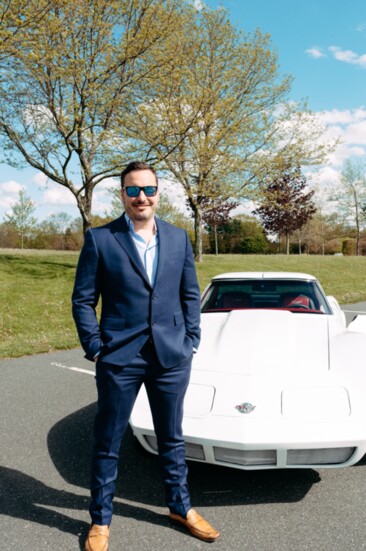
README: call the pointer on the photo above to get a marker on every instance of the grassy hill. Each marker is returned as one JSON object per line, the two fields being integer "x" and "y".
{"x": 36, "y": 286}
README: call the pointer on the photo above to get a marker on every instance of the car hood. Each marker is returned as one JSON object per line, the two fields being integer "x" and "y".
{"x": 258, "y": 341}
{"x": 275, "y": 360}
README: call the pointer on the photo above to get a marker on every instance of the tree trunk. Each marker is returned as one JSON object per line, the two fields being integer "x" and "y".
{"x": 198, "y": 234}
{"x": 84, "y": 203}
{"x": 216, "y": 244}
{"x": 287, "y": 243}
{"x": 358, "y": 242}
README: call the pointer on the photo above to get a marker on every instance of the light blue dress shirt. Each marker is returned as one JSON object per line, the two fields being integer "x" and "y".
{"x": 148, "y": 252}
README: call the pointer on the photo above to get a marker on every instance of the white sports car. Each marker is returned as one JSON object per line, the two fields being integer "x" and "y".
{"x": 279, "y": 381}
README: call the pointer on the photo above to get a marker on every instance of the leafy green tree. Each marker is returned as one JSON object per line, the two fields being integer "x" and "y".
{"x": 170, "y": 213}
{"x": 286, "y": 206}
{"x": 216, "y": 215}
{"x": 219, "y": 121}
{"x": 21, "y": 216}
{"x": 254, "y": 239}
{"x": 15, "y": 15}
{"x": 241, "y": 234}
{"x": 68, "y": 75}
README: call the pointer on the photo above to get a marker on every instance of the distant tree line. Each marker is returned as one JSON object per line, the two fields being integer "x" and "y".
{"x": 223, "y": 232}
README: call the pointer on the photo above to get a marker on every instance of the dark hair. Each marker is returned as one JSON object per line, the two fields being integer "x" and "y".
{"x": 137, "y": 165}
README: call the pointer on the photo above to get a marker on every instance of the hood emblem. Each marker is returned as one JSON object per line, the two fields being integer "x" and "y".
{"x": 246, "y": 407}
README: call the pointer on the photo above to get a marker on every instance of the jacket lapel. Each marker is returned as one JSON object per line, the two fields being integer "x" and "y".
{"x": 163, "y": 248}
{"x": 121, "y": 233}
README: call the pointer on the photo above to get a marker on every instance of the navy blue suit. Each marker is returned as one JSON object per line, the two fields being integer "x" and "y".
{"x": 145, "y": 336}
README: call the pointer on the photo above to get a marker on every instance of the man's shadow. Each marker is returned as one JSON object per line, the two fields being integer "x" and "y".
{"x": 70, "y": 444}
{"x": 24, "y": 497}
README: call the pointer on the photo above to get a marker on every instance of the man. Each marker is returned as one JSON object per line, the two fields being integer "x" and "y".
{"x": 143, "y": 270}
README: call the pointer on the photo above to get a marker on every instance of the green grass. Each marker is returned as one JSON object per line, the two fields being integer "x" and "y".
{"x": 341, "y": 276}
{"x": 36, "y": 286}
{"x": 35, "y": 314}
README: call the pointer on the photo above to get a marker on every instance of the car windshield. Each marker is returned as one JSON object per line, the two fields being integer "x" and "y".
{"x": 284, "y": 294}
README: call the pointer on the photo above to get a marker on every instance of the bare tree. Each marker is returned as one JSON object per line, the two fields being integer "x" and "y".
{"x": 69, "y": 75}
{"x": 21, "y": 216}
{"x": 59, "y": 223}
{"x": 350, "y": 196}
{"x": 217, "y": 214}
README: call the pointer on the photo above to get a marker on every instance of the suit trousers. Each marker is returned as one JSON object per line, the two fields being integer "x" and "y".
{"x": 117, "y": 388}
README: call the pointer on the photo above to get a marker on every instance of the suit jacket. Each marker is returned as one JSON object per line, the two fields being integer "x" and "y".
{"x": 110, "y": 267}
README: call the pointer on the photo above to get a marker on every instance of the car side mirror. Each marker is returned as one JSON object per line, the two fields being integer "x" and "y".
{"x": 336, "y": 309}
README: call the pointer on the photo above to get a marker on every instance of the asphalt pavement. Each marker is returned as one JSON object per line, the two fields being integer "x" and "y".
{"x": 352, "y": 310}
{"x": 47, "y": 409}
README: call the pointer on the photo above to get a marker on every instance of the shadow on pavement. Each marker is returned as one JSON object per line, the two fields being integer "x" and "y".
{"x": 24, "y": 497}
{"x": 70, "y": 444}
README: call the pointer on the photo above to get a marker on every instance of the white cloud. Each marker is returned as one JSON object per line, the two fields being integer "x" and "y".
{"x": 102, "y": 207}
{"x": 175, "y": 194}
{"x": 7, "y": 202}
{"x": 246, "y": 207}
{"x": 356, "y": 133}
{"x": 102, "y": 197}
{"x": 326, "y": 176}
{"x": 347, "y": 116}
{"x": 314, "y": 52}
{"x": 57, "y": 196}
{"x": 349, "y": 126}
{"x": 9, "y": 194}
{"x": 198, "y": 4}
{"x": 107, "y": 184}
{"x": 348, "y": 56}
{"x": 11, "y": 187}
{"x": 40, "y": 179}
{"x": 323, "y": 182}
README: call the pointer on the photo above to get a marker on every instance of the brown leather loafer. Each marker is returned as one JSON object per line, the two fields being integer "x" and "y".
{"x": 97, "y": 539}
{"x": 198, "y": 526}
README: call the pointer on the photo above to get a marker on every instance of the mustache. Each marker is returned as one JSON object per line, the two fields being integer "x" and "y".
{"x": 141, "y": 202}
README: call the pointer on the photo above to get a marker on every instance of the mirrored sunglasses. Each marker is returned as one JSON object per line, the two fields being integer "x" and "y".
{"x": 134, "y": 191}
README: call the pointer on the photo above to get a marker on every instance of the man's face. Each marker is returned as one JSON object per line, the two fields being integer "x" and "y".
{"x": 140, "y": 208}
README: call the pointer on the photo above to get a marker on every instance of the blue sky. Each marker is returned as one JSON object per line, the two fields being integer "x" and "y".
{"x": 321, "y": 43}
